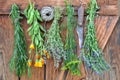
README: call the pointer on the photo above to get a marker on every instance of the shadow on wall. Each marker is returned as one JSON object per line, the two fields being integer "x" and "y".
{"x": 118, "y": 32}
{"x": 1, "y": 67}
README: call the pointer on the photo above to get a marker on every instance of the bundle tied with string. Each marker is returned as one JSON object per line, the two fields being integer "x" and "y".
{"x": 54, "y": 42}
{"x": 91, "y": 53}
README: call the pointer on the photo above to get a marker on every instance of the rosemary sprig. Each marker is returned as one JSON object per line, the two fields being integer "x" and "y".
{"x": 18, "y": 62}
{"x": 92, "y": 55}
{"x": 72, "y": 63}
{"x": 54, "y": 42}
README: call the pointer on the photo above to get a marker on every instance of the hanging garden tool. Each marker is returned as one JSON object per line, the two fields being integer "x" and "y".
{"x": 91, "y": 53}
{"x": 79, "y": 28}
{"x": 54, "y": 42}
{"x": 71, "y": 63}
{"x": 18, "y": 62}
{"x": 36, "y": 32}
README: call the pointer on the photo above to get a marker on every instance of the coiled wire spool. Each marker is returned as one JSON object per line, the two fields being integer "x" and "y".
{"x": 47, "y": 13}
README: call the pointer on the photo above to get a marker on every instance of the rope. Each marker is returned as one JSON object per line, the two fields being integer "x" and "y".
{"x": 47, "y": 13}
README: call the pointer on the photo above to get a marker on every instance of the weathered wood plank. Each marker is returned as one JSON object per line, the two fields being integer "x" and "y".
{"x": 37, "y": 74}
{"x": 52, "y": 73}
{"x": 2, "y": 74}
{"x": 115, "y": 2}
{"x": 107, "y": 2}
{"x": 113, "y": 50}
{"x": 104, "y": 28}
{"x": 106, "y": 9}
{"x": 6, "y": 43}
{"x": 6, "y": 4}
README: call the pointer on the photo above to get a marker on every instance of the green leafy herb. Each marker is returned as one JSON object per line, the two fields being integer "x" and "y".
{"x": 18, "y": 62}
{"x": 72, "y": 63}
{"x": 36, "y": 32}
{"x": 54, "y": 42}
{"x": 92, "y": 55}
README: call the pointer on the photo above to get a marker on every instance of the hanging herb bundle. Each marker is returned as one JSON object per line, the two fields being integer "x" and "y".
{"x": 71, "y": 63}
{"x": 36, "y": 32}
{"x": 18, "y": 62}
{"x": 92, "y": 55}
{"x": 54, "y": 43}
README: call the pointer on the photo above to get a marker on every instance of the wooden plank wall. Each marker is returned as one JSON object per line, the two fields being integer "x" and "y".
{"x": 6, "y": 47}
{"x": 105, "y": 25}
{"x": 6, "y": 43}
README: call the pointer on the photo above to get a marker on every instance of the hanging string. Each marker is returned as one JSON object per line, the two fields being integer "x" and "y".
{"x": 47, "y": 13}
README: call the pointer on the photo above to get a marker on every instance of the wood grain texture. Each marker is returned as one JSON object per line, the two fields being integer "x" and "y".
{"x": 112, "y": 55}
{"x": 108, "y": 10}
{"x": 52, "y": 73}
{"x": 104, "y": 28}
{"x": 107, "y": 7}
{"x": 6, "y": 43}
{"x": 2, "y": 74}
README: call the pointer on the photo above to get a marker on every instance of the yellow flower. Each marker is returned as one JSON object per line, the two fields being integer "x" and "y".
{"x": 32, "y": 46}
{"x": 38, "y": 63}
{"x": 29, "y": 63}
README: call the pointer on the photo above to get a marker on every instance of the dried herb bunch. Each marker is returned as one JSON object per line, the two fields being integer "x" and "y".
{"x": 72, "y": 63}
{"x": 36, "y": 32}
{"x": 18, "y": 62}
{"x": 54, "y": 42}
{"x": 92, "y": 55}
